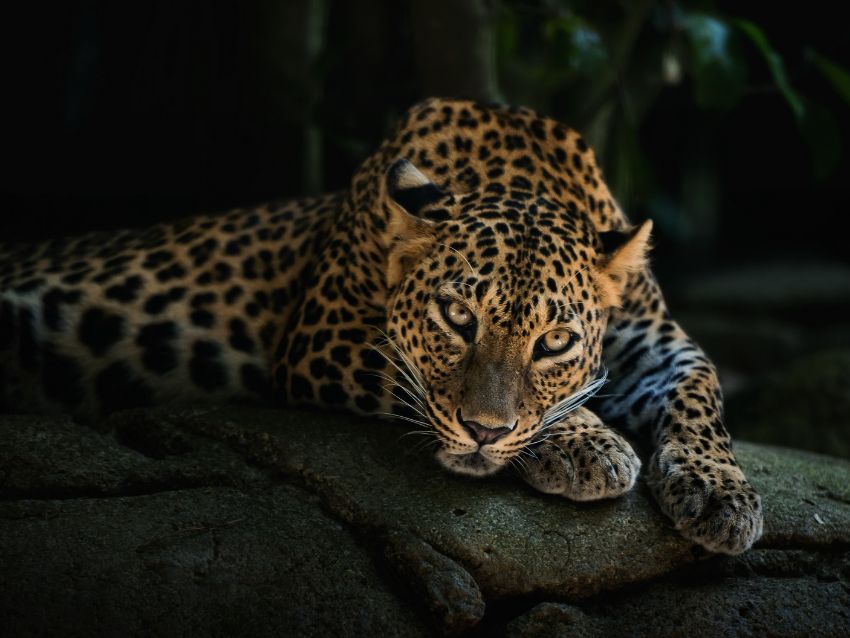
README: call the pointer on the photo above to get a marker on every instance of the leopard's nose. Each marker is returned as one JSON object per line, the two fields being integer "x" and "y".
{"x": 483, "y": 434}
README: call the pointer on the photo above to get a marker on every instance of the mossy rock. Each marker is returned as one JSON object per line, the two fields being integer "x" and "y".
{"x": 245, "y": 522}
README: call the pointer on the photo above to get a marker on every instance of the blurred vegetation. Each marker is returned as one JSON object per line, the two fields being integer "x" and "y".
{"x": 161, "y": 109}
{"x": 602, "y": 67}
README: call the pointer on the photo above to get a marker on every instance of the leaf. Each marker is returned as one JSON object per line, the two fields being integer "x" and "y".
{"x": 719, "y": 72}
{"x": 506, "y": 35}
{"x": 576, "y": 44}
{"x": 822, "y": 133}
{"x": 774, "y": 64}
{"x": 837, "y": 75}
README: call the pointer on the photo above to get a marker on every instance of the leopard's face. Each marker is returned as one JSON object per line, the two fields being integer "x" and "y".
{"x": 498, "y": 326}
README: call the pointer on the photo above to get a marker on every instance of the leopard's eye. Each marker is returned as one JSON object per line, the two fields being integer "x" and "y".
{"x": 458, "y": 314}
{"x": 460, "y": 318}
{"x": 553, "y": 343}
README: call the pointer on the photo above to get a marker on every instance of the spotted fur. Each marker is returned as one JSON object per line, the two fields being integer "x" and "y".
{"x": 477, "y": 278}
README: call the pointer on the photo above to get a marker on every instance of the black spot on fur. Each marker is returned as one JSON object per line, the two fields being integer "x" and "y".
{"x": 29, "y": 285}
{"x": 158, "y": 302}
{"x": 158, "y": 352}
{"x": 7, "y": 324}
{"x": 203, "y": 299}
{"x": 239, "y": 338}
{"x": 372, "y": 359}
{"x": 117, "y": 387}
{"x": 100, "y": 330}
{"x": 320, "y": 338}
{"x": 127, "y": 291}
{"x": 333, "y": 394}
{"x": 354, "y": 335}
{"x": 252, "y": 309}
{"x": 201, "y": 252}
{"x": 342, "y": 355}
{"x": 267, "y": 334}
{"x": 27, "y": 345}
{"x": 157, "y": 259}
{"x": 317, "y": 368}
{"x": 51, "y": 306}
{"x": 222, "y": 271}
{"x": 249, "y": 268}
{"x": 367, "y": 402}
{"x": 300, "y": 388}
{"x": 313, "y": 313}
{"x": 298, "y": 349}
{"x": 174, "y": 271}
{"x": 205, "y": 368}
{"x": 232, "y": 294}
{"x": 255, "y": 380}
{"x": 368, "y": 380}
{"x": 61, "y": 378}
{"x": 202, "y": 318}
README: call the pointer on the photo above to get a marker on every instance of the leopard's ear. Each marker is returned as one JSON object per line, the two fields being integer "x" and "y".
{"x": 624, "y": 252}
{"x": 408, "y": 187}
{"x": 406, "y": 191}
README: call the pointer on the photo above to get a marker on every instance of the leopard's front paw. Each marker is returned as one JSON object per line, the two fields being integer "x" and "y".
{"x": 586, "y": 464}
{"x": 712, "y": 504}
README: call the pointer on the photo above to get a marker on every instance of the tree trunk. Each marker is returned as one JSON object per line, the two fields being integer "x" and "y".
{"x": 455, "y": 48}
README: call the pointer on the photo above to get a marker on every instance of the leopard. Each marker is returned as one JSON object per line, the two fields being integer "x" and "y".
{"x": 477, "y": 279}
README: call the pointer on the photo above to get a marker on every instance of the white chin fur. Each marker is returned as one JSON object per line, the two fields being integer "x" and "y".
{"x": 473, "y": 464}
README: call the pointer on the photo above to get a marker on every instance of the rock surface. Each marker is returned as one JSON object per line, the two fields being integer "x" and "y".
{"x": 256, "y": 522}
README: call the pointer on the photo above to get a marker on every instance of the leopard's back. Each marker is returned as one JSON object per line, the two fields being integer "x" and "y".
{"x": 186, "y": 311}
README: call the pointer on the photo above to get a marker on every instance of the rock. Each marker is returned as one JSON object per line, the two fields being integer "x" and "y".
{"x": 513, "y": 540}
{"x": 259, "y": 522}
{"x": 190, "y": 562}
{"x": 451, "y": 594}
{"x": 758, "y": 605}
{"x": 43, "y": 456}
{"x": 806, "y": 404}
{"x": 554, "y": 620}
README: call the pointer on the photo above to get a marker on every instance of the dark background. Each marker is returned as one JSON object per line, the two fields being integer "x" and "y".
{"x": 728, "y": 123}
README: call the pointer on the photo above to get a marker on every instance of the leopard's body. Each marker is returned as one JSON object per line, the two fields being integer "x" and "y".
{"x": 477, "y": 278}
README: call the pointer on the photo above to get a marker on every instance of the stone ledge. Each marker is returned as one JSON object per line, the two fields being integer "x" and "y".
{"x": 246, "y": 521}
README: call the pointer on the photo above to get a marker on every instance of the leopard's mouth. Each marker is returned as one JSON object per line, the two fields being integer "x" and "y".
{"x": 470, "y": 464}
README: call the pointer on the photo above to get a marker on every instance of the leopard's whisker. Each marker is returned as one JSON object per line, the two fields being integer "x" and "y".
{"x": 403, "y": 418}
{"x": 416, "y": 432}
{"x": 412, "y": 407}
{"x": 530, "y": 452}
{"x": 575, "y": 400}
{"x": 521, "y": 462}
{"x": 393, "y": 383}
{"x": 417, "y": 385}
{"x": 412, "y": 370}
{"x": 463, "y": 257}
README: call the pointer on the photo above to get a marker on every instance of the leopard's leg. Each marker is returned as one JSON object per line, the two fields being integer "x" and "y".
{"x": 581, "y": 458}
{"x": 663, "y": 382}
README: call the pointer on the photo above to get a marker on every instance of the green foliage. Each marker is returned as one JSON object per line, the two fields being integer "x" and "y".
{"x": 837, "y": 76}
{"x": 717, "y": 66}
{"x": 602, "y": 66}
{"x": 774, "y": 63}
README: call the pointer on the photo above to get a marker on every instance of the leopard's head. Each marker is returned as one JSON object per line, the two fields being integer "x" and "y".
{"x": 496, "y": 312}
